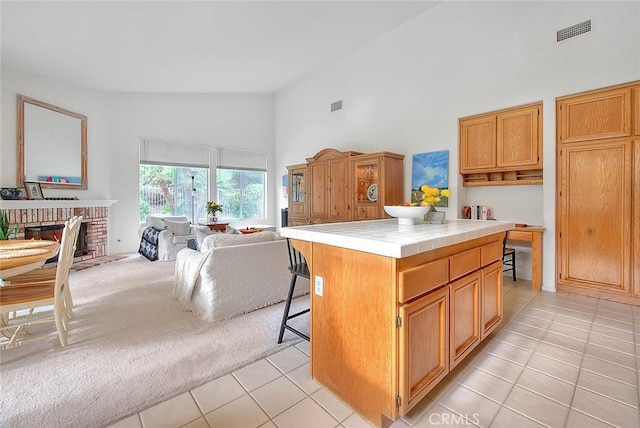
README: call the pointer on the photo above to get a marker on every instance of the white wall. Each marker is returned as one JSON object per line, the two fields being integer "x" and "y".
{"x": 405, "y": 91}
{"x": 116, "y": 121}
{"x": 235, "y": 121}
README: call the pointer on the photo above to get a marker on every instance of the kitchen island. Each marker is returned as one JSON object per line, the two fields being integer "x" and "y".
{"x": 394, "y": 308}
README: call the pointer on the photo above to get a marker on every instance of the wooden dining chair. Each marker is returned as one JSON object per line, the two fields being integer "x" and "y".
{"x": 21, "y": 297}
{"x": 508, "y": 258}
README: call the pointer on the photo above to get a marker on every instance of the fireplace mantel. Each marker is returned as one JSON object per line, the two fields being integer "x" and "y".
{"x": 22, "y": 204}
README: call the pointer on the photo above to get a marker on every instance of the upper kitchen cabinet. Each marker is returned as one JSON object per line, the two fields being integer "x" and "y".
{"x": 596, "y": 116}
{"x": 502, "y": 147}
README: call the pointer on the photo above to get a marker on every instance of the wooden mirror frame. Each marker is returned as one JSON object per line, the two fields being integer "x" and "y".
{"x": 21, "y": 167}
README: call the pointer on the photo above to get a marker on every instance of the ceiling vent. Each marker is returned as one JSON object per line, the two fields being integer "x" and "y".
{"x": 336, "y": 106}
{"x": 573, "y": 31}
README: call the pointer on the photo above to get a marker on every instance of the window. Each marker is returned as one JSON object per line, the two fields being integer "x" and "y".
{"x": 173, "y": 179}
{"x": 241, "y": 179}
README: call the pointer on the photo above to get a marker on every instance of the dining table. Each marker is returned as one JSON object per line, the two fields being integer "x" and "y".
{"x": 24, "y": 255}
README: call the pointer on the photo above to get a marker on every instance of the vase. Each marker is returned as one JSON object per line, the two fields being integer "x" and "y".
{"x": 213, "y": 219}
{"x": 435, "y": 217}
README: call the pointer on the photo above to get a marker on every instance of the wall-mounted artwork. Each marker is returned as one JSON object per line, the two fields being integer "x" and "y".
{"x": 285, "y": 186}
{"x": 430, "y": 168}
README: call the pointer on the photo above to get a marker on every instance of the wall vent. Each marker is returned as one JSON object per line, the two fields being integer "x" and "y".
{"x": 573, "y": 31}
{"x": 336, "y": 106}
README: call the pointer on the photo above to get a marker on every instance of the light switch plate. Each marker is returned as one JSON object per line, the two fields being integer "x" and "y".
{"x": 318, "y": 285}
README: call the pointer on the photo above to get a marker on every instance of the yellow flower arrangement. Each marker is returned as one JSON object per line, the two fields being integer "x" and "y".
{"x": 432, "y": 195}
{"x": 213, "y": 208}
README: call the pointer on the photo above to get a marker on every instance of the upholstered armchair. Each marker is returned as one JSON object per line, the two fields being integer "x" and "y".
{"x": 176, "y": 231}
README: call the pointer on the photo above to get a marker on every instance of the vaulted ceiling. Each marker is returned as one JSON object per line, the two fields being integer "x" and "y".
{"x": 191, "y": 46}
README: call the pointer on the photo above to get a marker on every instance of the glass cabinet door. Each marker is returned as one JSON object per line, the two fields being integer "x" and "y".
{"x": 297, "y": 187}
{"x": 366, "y": 181}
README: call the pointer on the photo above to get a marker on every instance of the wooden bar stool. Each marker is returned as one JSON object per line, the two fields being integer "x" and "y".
{"x": 297, "y": 267}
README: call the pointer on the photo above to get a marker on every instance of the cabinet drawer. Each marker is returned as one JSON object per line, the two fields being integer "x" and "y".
{"x": 464, "y": 263}
{"x": 490, "y": 253}
{"x": 520, "y": 235}
{"x": 422, "y": 279}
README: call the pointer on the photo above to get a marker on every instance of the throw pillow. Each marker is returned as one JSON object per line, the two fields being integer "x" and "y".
{"x": 226, "y": 240}
{"x": 178, "y": 227}
{"x": 201, "y": 233}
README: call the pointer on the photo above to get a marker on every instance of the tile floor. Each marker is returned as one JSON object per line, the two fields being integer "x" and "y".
{"x": 559, "y": 360}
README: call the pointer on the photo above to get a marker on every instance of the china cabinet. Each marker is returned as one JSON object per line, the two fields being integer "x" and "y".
{"x": 344, "y": 186}
{"x": 598, "y": 202}
{"x": 502, "y": 147}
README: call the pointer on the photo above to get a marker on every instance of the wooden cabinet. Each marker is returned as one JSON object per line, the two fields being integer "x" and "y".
{"x": 597, "y": 225}
{"x": 596, "y": 215}
{"x": 377, "y": 180}
{"x": 478, "y": 144}
{"x": 424, "y": 346}
{"x": 464, "y": 324}
{"x": 298, "y": 203}
{"x": 386, "y": 331}
{"x": 329, "y": 196}
{"x": 595, "y": 116}
{"x": 346, "y": 186}
{"x": 502, "y": 147}
{"x": 491, "y": 310}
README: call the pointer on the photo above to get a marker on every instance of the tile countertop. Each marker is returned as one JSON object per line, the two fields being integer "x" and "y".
{"x": 388, "y": 238}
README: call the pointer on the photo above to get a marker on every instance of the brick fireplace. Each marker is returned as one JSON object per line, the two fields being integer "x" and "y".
{"x": 37, "y": 214}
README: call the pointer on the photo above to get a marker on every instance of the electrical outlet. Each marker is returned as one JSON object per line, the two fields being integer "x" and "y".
{"x": 318, "y": 285}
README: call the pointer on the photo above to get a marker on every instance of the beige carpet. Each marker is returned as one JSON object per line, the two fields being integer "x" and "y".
{"x": 130, "y": 347}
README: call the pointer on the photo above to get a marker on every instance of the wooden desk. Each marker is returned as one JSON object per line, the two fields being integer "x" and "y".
{"x": 15, "y": 257}
{"x": 531, "y": 234}
{"x": 219, "y": 227}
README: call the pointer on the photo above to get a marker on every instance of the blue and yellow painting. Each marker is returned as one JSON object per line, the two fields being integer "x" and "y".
{"x": 430, "y": 168}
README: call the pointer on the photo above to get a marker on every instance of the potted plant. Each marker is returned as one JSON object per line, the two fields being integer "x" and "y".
{"x": 5, "y": 229}
{"x": 212, "y": 209}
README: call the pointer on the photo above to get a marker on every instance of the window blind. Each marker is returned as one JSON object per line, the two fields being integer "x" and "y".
{"x": 242, "y": 159}
{"x": 161, "y": 152}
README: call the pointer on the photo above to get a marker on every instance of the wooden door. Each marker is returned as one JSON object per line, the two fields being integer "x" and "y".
{"x": 464, "y": 317}
{"x": 478, "y": 143}
{"x": 318, "y": 181}
{"x": 519, "y": 138}
{"x": 595, "y": 116}
{"x": 339, "y": 196}
{"x": 423, "y": 346}
{"x": 594, "y": 215}
{"x": 490, "y": 298}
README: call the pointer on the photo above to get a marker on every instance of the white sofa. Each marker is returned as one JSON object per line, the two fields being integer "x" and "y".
{"x": 176, "y": 232}
{"x": 234, "y": 274}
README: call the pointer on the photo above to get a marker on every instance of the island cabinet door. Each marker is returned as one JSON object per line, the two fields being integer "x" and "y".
{"x": 424, "y": 346}
{"x": 490, "y": 298}
{"x": 464, "y": 317}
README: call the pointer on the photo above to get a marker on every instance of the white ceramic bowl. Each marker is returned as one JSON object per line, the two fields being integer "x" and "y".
{"x": 406, "y": 215}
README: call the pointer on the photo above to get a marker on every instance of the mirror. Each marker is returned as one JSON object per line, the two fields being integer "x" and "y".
{"x": 52, "y": 145}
